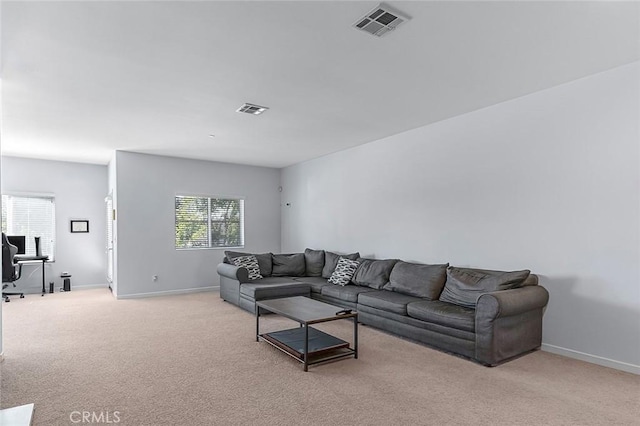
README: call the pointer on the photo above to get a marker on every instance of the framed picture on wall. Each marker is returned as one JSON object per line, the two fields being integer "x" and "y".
{"x": 79, "y": 226}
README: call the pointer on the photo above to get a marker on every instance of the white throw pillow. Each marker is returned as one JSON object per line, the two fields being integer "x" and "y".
{"x": 344, "y": 271}
{"x": 251, "y": 263}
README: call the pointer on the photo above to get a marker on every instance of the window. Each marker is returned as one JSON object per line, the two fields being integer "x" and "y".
{"x": 207, "y": 222}
{"x": 31, "y": 216}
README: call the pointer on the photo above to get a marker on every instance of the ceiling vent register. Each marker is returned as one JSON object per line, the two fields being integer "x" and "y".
{"x": 380, "y": 20}
{"x": 252, "y": 109}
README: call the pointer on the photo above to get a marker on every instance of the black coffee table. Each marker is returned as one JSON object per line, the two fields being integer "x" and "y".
{"x": 307, "y": 344}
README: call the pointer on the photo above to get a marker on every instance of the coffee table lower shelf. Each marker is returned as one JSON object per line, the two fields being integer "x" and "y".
{"x": 323, "y": 347}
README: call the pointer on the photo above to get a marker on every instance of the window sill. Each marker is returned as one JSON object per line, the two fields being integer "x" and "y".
{"x": 209, "y": 248}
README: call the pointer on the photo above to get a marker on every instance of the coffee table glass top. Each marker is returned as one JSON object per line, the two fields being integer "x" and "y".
{"x": 303, "y": 309}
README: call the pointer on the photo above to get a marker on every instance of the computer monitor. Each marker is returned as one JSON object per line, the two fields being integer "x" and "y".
{"x": 18, "y": 241}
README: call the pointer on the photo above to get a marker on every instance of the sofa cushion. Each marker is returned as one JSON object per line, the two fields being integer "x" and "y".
{"x": 275, "y": 280}
{"x": 272, "y": 291}
{"x": 344, "y": 271}
{"x": 373, "y": 273}
{"x": 443, "y": 313}
{"x": 418, "y": 280}
{"x": 387, "y": 301}
{"x": 464, "y": 286}
{"x": 331, "y": 261}
{"x": 314, "y": 262}
{"x": 251, "y": 264}
{"x": 264, "y": 260}
{"x": 348, "y": 293}
{"x": 288, "y": 265}
{"x": 316, "y": 283}
{"x": 422, "y": 326}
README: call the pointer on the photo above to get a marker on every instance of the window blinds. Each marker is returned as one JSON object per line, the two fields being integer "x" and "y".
{"x": 206, "y": 222}
{"x": 31, "y": 216}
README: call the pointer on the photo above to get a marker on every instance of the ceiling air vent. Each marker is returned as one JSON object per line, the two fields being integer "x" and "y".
{"x": 252, "y": 109}
{"x": 380, "y": 20}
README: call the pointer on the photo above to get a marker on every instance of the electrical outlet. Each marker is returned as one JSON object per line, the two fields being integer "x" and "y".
{"x": 154, "y": 278}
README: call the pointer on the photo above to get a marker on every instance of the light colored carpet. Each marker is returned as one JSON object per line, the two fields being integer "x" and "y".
{"x": 193, "y": 360}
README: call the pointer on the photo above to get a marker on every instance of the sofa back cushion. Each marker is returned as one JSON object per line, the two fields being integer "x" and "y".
{"x": 313, "y": 262}
{"x": 426, "y": 281}
{"x": 288, "y": 265}
{"x": 532, "y": 279}
{"x": 264, "y": 261}
{"x": 373, "y": 273}
{"x": 331, "y": 260}
{"x": 464, "y": 286}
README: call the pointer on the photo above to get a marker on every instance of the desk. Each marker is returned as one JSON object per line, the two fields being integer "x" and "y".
{"x": 21, "y": 258}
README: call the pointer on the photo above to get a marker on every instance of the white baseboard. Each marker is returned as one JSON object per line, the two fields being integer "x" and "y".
{"x": 594, "y": 359}
{"x": 167, "y": 292}
{"x": 56, "y": 289}
{"x": 89, "y": 286}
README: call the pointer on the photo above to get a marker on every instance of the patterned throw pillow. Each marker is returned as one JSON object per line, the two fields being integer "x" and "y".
{"x": 344, "y": 271}
{"x": 251, "y": 263}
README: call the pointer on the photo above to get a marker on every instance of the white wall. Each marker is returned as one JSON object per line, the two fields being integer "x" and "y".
{"x": 548, "y": 182}
{"x": 79, "y": 191}
{"x": 146, "y": 190}
{"x": 113, "y": 190}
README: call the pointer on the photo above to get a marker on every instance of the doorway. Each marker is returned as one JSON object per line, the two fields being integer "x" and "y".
{"x": 110, "y": 213}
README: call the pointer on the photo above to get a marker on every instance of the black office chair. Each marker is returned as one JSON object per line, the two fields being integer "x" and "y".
{"x": 11, "y": 271}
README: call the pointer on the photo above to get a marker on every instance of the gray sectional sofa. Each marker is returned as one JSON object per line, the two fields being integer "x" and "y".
{"x": 485, "y": 315}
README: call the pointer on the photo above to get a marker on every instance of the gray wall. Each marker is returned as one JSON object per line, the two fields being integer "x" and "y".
{"x": 79, "y": 191}
{"x": 548, "y": 182}
{"x": 146, "y": 190}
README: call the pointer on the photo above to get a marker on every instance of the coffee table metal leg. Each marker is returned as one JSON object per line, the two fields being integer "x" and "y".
{"x": 355, "y": 336}
{"x": 257, "y": 324}
{"x": 306, "y": 347}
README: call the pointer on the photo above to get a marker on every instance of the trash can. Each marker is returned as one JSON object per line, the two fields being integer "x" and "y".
{"x": 66, "y": 281}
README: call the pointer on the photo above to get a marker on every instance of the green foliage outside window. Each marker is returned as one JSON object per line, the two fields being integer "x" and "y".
{"x": 203, "y": 222}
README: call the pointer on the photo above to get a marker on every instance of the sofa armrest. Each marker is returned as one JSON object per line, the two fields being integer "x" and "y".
{"x": 511, "y": 302}
{"x": 509, "y": 323}
{"x": 237, "y": 273}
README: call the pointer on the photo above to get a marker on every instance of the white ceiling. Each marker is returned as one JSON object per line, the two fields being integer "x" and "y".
{"x": 82, "y": 79}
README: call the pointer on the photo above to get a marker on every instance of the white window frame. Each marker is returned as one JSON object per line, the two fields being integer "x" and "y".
{"x": 209, "y": 245}
{"x": 50, "y": 196}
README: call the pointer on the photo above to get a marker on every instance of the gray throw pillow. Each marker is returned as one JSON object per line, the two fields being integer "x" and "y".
{"x": 331, "y": 260}
{"x": 344, "y": 272}
{"x": 314, "y": 262}
{"x": 464, "y": 286}
{"x": 288, "y": 265}
{"x": 418, "y": 280}
{"x": 264, "y": 261}
{"x": 373, "y": 273}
